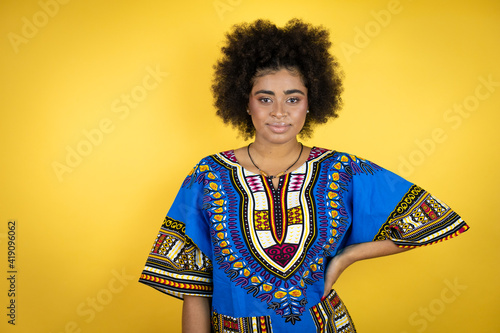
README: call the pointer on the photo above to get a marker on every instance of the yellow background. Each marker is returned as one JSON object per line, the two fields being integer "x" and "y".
{"x": 83, "y": 234}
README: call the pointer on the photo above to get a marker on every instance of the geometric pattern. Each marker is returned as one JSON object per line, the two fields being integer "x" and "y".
{"x": 419, "y": 219}
{"x": 281, "y": 233}
{"x": 331, "y": 316}
{"x": 227, "y": 324}
{"x": 174, "y": 255}
{"x": 278, "y": 231}
{"x": 270, "y": 245}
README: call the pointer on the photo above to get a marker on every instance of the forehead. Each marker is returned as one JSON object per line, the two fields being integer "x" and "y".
{"x": 282, "y": 78}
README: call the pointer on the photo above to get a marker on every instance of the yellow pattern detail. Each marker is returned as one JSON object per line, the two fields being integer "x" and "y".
{"x": 294, "y": 293}
{"x": 279, "y": 294}
{"x": 255, "y": 279}
{"x": 294, "y": 215}
{"x": 261, "y": 219}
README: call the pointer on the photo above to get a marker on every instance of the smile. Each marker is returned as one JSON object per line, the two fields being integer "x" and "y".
{"x": 278, "y": 127}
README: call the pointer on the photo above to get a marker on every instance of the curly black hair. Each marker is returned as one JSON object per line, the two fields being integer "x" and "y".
{"x": 255, "y": 49}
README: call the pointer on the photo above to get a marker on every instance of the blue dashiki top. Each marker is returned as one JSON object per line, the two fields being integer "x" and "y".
{"x": 260, "y": 252}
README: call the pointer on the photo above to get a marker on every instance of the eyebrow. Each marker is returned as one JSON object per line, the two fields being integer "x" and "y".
{"x": 287, "y": 92}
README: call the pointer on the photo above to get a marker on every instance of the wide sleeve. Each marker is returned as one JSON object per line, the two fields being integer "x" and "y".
{"x": 179, "y": 262}
{"x": 385, "y": 206}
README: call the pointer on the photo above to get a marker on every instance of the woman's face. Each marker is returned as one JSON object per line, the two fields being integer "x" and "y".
{"x": 278, "y": 106}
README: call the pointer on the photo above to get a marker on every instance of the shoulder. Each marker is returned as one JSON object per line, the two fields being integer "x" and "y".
{"x": 333, "y": 155}
{"x": 228, "y": 154}
{"x": 349, "y": 163}
{"x": 210, "y": 163}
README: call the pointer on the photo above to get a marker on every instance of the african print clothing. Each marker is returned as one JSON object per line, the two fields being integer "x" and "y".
{"x": 261, "y": 252}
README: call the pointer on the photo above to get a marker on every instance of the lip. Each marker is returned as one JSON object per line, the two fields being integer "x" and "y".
{"x": 278, "y": 127}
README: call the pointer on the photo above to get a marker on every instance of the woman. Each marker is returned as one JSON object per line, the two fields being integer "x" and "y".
{"x": 257, "y": 236}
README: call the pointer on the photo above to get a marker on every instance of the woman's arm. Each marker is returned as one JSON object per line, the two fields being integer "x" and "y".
{"x": 196, "y": 314}
{"x": 354, "y": 253}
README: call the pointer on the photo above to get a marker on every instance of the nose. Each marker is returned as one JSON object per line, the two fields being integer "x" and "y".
{"x": 278, "y": 110}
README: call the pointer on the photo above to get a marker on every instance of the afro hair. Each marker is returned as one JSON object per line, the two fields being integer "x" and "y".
{"x": 261, "y": 47}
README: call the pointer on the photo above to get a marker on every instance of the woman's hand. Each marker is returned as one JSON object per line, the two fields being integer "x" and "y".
{"x": 336, "y": 266}
{"x": 354, "y": 253}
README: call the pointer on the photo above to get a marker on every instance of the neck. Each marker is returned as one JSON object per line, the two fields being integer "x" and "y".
{"x": 275, "y": 160}
{"x": 271, "y": 151}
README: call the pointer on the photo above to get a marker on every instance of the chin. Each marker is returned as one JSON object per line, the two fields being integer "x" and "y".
{"x": 280, "y": 138}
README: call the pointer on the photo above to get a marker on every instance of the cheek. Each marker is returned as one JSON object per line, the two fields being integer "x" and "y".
{"x": 300, "y": 120}
{"x": 252, "y": 103}
{"x": 302, "y": 115}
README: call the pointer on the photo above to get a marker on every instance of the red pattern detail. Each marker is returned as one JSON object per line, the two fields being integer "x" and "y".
{"x": 296, "y": 182}
{"x": 428, "y": 211}
{"x": 229, "y": 154}
{"x": 263, "y": 325}
{"x": 175, "y": 284}
{"x": 262, "y": 220}
{"x": 316, "y": 151}
{"x": 231, "y": 324}
{"x": 462, "y": 230}
{"x": 159, "y": 242}
{"x": 294, "y": 215}
{"x": 255, "y": 183}
{"x": 319, "y": 319}
{"x": 335, "y": 300}
{"x": 282, "y": 253}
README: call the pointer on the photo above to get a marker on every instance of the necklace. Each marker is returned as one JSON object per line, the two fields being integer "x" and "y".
{"x": 279, "y": 174}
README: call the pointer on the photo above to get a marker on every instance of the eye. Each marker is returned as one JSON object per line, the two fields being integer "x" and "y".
{"x": 265, "y": 100}
{"x": 294, "y": 100}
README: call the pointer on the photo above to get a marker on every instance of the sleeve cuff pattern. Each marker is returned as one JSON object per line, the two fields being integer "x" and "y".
{"x": 420, "y": 219}
{"x": 175, "y": 265}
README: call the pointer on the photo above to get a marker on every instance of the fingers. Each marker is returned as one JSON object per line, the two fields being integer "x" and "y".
{"x": 333, "y": 271}
{"x": 332, "y": 274}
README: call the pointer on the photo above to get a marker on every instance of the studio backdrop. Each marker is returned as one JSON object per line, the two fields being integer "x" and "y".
{"x": 106, "y": 107}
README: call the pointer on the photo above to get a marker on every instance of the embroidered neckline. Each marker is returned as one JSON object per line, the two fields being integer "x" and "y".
{"x": 313, "y": 154}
